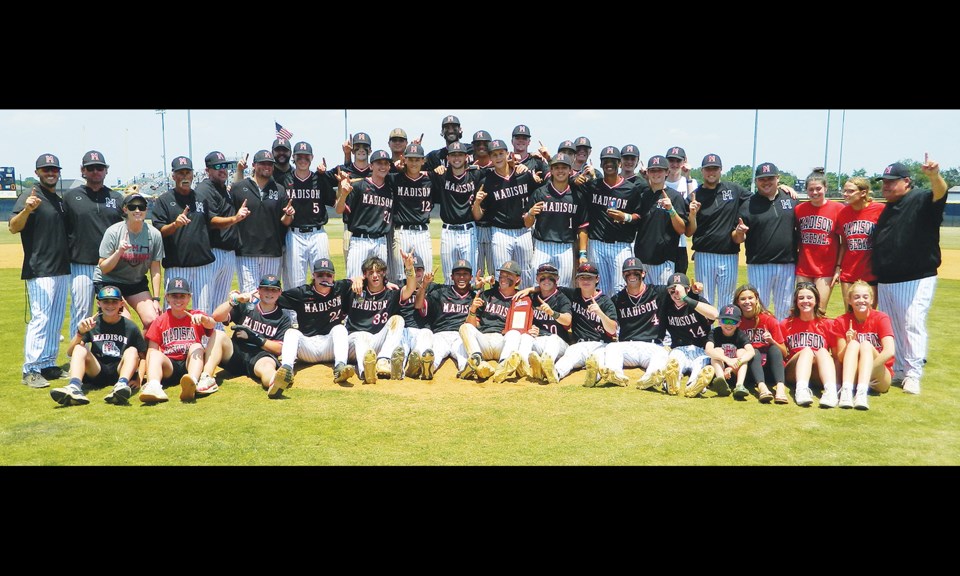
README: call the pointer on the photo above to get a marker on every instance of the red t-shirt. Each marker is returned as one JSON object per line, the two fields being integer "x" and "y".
{"x": 176, "y": 335}
{"x": 874, "y": 329}
{"x": 856, "y": 232}
{"x": 799, "y": 334}
{"x": 756, "y": 327}
{"x": 819, "y": 241}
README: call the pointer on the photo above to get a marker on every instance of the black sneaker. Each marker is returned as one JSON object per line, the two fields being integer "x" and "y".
{"x": 69, "y": 396}
{"x": 51, "y": 372}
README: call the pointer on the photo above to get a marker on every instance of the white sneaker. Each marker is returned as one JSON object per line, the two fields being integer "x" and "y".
{"x": 188, "y": 388}
{"x": 804, "y": 396}
{"x": 153, "y": 392}
{"x": 911, "y": 385}
{"x": 846, "y": 397}
{"x": 207, "y": 385}
{"x": 860, "y": 400}
{"x": 829, "y": 399}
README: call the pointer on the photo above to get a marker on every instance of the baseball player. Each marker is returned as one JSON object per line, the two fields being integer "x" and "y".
{"x": 482, "y": 334}
{"x": 456, "y": 189}
{"x": 629, "y": 162}
{"x": 856, "y": 223}
{"x": 730, "y": 350}
{"x": 358, "y": 145}
{"x": 663, "y": 220}
{"x": 307, "y": 240}
{"x": 417, "y": 335}
{"x": 370, "y": 205}
{"x": 413, "y": 197}
{"x": 116, "y": 347}
{"x": 688, "y": 316}
{"x": 375, "y": 329}
{"x": 483, "y": 233}
{"x": 89, "y": 210}
{"x": 906, "y": 255}
{"x": 506, "y": 190}
{"x": 446, "y": 307}
{"x": 258, "y": 334}
{"x": 808, "y": 334}
{"x": 865, "y": 344}
{"x": 262, "y": 232}
{"x": 520, "y": 138}
{"x": 282, "y": 170}
{"x": 678, "y": 178}
{"x": 176, "y": 344}
{"x": 763, "y": 333}
{"x": 819, "y": 237}
{"x": 481, "y": 155}
{"x": 320, "y": 336}
{"x": 46, "y": 269}
{"x": 611, "y": 220}
{"x": 639, "y": 307}
{"x": 581, "y": 154}
{"x": 767, "y": 225}
{"x": 555, "y": 213}
{"x": 713, "y": 212}
{"x": 397, "y": 142}
{"x": 451, "y": 132}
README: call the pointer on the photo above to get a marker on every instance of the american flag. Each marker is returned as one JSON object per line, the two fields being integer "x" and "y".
{"x": 283, "y": 132}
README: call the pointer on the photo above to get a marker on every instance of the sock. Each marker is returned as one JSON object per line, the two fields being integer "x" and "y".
{"x": 75, "y": 383}
{"x": 123, "y": 381}
{"x": 848, "y": 386}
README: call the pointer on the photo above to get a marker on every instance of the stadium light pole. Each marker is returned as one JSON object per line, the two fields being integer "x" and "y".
{"x": 189, "y": 136}
{"x": 826, "y": 146}
{"x": 163, "y": 136}
{"x": 756, "y": 122}
{"x": 843, "y": 122}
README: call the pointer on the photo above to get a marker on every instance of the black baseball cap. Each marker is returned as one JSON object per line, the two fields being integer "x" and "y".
{"x": 521, "y": 130}
{"x": 561, "y": 158}
{"x": 677, "y": 152}
{"x": 181, "y": 163}
{"x": 567, "y": 145}
{"x": 280, "y": 143}
{"x": 481, "y": 136}
{"x": 417, "y": 261}
{"x": 451, "y": 119}
{"x": 109, "y": 293}
{"x": 303, "y": 148}
{"x": 497, "y": 145}
{"x": 270, "y": 281}
{"x": 711, "y": 160}
{"x": 583, "y": 141}
{"x": 93, "y": 158}
{"x": 547, "y": 268}
{"x": 510, "y": 266}
{"x": 48, "y": 161}
{"x": 630, "y": 150}
{"x": 658, "y": 162}
{"x": 214, "y": 158}
{"x": 587, "y": 269}
{"x": 895, "y": 171}
{"x": 462, "y": 265}
{"x": 413, "y": 151}
{"x": 610, "y": 152}
{"x": 631, "y": 264}
{"x": 767, "y": 169}
{"x": 178, "y": 286}
{"x": 323, "y": 265}
{"x": 379, "y": 155}
{"x": 361, "y": 138}
{"x": 263, "y": 156}
{"x": 730, "y": 312}
{"x": 680, "y": 279}
{"x": 134, "y": 196}
{"x": 456, "y": 148}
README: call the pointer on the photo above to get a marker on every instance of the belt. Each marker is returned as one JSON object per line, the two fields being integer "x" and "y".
{"x": 305, "y": 229}
{"x": 410, "y": 227}
{"x": 484, "y": 224}
{"x": 371, "y": 236}
{"x": 466, "y": 226}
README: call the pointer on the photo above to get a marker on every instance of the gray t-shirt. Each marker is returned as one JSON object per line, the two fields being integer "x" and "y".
{"x": 135, "y": 264}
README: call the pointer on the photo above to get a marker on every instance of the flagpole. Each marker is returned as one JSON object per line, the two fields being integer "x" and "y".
{"x": 344, "y": 124}
{"x": 843, "y": 121}
{"x": 756, "y": 122}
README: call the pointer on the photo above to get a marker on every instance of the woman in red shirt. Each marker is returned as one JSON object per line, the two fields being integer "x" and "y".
{"x": 864, "y": 341}
{"x": 819, "y": 240}
{"x": 855, "y": 225}
{"x": 808, "y": 334}
{"x": 763, "y": 332}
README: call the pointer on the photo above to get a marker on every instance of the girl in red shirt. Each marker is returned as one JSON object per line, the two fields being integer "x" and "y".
{"x": 819, "y": 241}
{"x": 808, "y": 334}
{"x": 763, "y": 332}
{"x": 864, "y": 342}
{"x": 855, "y": 225}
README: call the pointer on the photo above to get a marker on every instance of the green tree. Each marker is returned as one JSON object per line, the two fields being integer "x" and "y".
{"x": 741, "y": 174}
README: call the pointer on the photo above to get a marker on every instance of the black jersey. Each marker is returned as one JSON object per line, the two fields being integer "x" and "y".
{"x": 311, "y": 196}
{"x": 446, "y": 309}
{"x": 89, "y": 214}
{"x": 45, "y": 253}
{"x": 370, "y": 207}
{"x": 109, "y": 341}
{"x": 507, "y": 198}
{"x": 686, "y": 326}
{"x": 270, "y": 325}
{"x": 601, "y": 197}
{"x": 220, "y": 203}
{"x": 455, "y": 194}
{"x": 717, "y": 217}
{"x": 638, "y": 317}
{"x": 412, "y": 198}
{"x": 369, "y": 312}
{"x": 283, "y": 177}
{"x": 559, "y": 302}
{"x": 656, "y": 239}
{"x": 189, "y": 245}
{"x": 316, "y": 313}
{"x": 587, "y": 326}
{"x": 773, "y": 237}
{"x": 536, "y": 164}
{"x": 261, "y": 233}
{"x": 352, "y": 169}
{"x": 493, "y": 313}
{"x": 411, "y": 317}
{"x": 638, "y": 180}
{"x": 438, "y": 157}
{"x": 729, "y": 344}
{"x": 561, "y": 216}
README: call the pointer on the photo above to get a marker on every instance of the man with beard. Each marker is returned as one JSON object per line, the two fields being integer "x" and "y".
{"x": 451, "y": 132}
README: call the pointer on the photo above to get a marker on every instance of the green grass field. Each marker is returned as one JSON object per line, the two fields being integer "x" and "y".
{"x": 420, "y": 423}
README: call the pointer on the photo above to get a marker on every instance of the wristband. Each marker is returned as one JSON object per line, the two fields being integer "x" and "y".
{"x": 672, "y": 212}
{"x": 583, "y": 253}
{"x": 689, "y": 301}
{"x": 156, "y": 298}
{"x": 627, "y": 218}
{"x": 556, "y": 315}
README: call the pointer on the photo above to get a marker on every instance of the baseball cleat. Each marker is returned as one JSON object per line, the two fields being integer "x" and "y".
{"x": 370, "y": 367}
{"x": 426, "y": 365}
{"x": 651, "y": 380}
{"x": 343, "y": 372}
{"x": 536, "y": 370}
{"x": 549, "y": 371}
{"x": 396, "y": 363}
{"x": 703, "y": 380}
{"x": 508, "y": 368}
{"x": 592, "y": 369}
{"x": 672, "y": 377}
{"x": 414, "y": 365}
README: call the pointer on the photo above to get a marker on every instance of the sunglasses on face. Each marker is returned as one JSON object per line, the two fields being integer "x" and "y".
{"x": 551, "y": 278}
{"x": 137, "y": 207}
{"x": 220, "y": 166}
{"x": 96, "y": 168}
{"x": 729, "y": 322}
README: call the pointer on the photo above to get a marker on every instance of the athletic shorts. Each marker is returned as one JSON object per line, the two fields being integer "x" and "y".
{"x": 242, "y": 363}
{"x": 179, "y": 369}
{"x": 107, "y": 377}
{"x": 127, "y": 290}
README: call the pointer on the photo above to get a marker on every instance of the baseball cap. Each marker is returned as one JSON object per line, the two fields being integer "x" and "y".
{"x": 895, "y": 171}
{"x": 631, "y": 264}
{"x": 398, "y": 133}
{"x": 361, "y": 138}
{"x": 456, "y": 147}
{"x": 450, "y": 120}
{"x": 413, "y": 151}
{"x": 417, "y": 261}
{"x": 379, "y": 155}
{"x": 134, "y": 196}
{"x": 93, "y": 158}
{"x": 583, "y": 141}
{"x": 181, "y": 163}
{"x": 214, "y": 158}
{"x": 510, "y": 266}
{"x": 711, "y": 160}
{"x": 677, "y": 152}
{"x": 323, "y": 265}
{"x": 48, "y": 161}
{"x": 610, "y": 152}
{"x": 680, "y": 279}
{"x": 303, "y": 148}
{"x": 630, "y": 150}
{"x": 730, "y": 312}
{"x": 178, "y": 286}
{"x": 280, "y": 143}
{"x": 109, "y": 293}
{"x": 567, "y": 145}
{"x": 270, "y": 281}
{"x": 658, "y": 162}
{"x": 263, "y": 156}
{"x": 496, "y": 145}
{"x": 521, "y": 130}
{"x": 587, "y": 269}
{"x": 561, "y": 158}
{"x": 767, "y": 169}
{"x": 547, "y": 268}
{"x": 481, "y": 136}
{"x": 462, "y": 265}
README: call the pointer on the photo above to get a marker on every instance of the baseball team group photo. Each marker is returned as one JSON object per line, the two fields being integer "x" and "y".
{"x": 483, "y": 287}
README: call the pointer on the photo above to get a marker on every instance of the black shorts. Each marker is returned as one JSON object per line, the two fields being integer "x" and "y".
{"x": 108, "y": 376}
{"x": 242, "y": 363}
{"x": 179, "y": 369}
{"x": 127, "y": 290}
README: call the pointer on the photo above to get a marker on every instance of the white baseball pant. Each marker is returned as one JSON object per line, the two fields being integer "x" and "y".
{"x": 449, "y": 343}
{"x": 488, "y": 345}
{"x": 907, "y": 304}
{"x": 383, "y": 342}
{"x": 718, "y": 273}
{"x": 417, "y": 240}
{"x": 516, "y": 245}
{"x": 457, "y": 242}
{"x": 48, "y": 305}
{"x": 201, "y": 283}
{"x": 321, "y": 348}
{"x": 252, "y": 268}
{"x": 691, "y": 359}
{"x": 576, "y": 357}
{"x": 302, "y": 250}
{"x": 361, "y": 249}
{"x": 632, "y": 354}
{"x": 609, "y": 257}
{"x": 560, "y": 255}
{"x": 81, "y": 294}
{"x": 775, "y": 284}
